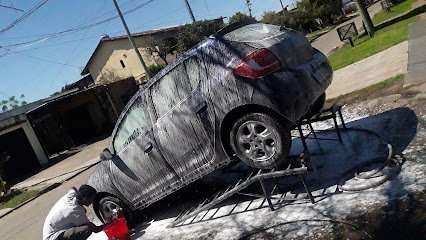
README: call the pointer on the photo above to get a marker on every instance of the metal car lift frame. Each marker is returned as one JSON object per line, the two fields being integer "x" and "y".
{"x": 299, "y": 167}
{"x": 333, "y": 112}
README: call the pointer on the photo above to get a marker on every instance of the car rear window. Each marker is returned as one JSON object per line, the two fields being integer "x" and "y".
{"x": 253, "y": 32}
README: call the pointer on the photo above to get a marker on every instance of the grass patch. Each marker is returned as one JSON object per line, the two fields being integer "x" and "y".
{"x": 17, "y": 197}
{"x": 365, "y": 46}
{"x": 386, "y": 87}
{"x": 394, "y": 11}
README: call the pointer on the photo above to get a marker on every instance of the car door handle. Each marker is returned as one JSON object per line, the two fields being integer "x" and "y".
{"x": 148, "y": 148}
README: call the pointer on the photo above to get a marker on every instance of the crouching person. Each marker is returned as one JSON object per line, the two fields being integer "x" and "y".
{"x": 67, "y": 219}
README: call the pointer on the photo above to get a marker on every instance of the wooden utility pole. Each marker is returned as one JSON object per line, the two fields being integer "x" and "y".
{"x": 132, "y": 42}
{"x": 366, "y": 19}
{"x": 188, "y": 7}
{"x": 282, "y": 5}
{"x": 248, "y": 3}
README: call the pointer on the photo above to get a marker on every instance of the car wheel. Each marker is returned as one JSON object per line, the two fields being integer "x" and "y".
{"x": 260, "y": 140}
{"x": 105, "y": 206}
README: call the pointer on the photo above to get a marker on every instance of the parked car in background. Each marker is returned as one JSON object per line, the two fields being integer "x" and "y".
{"x": 235, "y": 96}
{"x": 349, "y": 7}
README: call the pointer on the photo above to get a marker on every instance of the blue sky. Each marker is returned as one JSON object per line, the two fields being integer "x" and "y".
{"x": 39, "y": 68}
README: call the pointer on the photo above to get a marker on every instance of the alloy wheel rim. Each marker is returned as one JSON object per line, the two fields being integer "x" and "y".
{"x": 107, "y": 209}
{"x": 257, "y": 140}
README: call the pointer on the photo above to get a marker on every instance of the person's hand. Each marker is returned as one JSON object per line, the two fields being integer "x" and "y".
{"x": 95, "y": 228}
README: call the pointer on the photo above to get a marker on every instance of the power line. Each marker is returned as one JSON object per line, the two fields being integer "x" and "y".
{"x": 74, "y": 50}
{"x": 33, "y": 42}
{"x": 24, "y": 16}
{"x": 46, "y": 36}
{"x": 18, "y": 46}
{"x": 11, "y": 7}
{"x": 40, "y": 59}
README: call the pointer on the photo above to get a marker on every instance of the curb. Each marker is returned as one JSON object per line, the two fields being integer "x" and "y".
{"x": 48, "y": 189}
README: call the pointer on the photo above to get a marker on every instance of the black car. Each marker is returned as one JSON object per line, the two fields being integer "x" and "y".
{"x": 235, "y": 96}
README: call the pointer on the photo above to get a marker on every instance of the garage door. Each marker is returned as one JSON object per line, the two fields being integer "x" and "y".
{"x": 22, "y": 161}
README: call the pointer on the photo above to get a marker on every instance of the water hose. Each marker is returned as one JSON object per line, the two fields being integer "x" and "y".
{"x": 393, "y": 162}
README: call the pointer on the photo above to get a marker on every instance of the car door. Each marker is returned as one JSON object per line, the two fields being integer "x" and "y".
{"x": 181, "y": 129}
{"x": 140, "y": 172}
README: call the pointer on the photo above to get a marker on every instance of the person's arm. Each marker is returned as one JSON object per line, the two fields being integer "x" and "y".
{"x": 94, "y": 228}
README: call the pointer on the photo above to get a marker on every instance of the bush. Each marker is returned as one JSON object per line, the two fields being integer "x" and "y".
{"x": 154, "y": 69}
{"x": 194, "y": 33}
{"x": 240, "y": 17}
{"x": 308, "y": 16}
{"x": 295, "y": 20}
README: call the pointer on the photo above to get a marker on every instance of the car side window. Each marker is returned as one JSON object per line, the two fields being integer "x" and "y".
{"x": 135, "y": 123}
{"x": 170, "y": 90}
{"x": 195, "y": 70}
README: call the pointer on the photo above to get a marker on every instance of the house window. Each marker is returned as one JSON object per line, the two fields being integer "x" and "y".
{"x": 122, "y": 64}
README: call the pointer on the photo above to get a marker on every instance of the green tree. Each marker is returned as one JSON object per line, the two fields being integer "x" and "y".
{"x": 287, "y": 19}
{"x": 12, "y": 102}
{"x": 240, "y": 17}
{"x": 193, "y": 33}
{"x": 326, "y": 10}
{"x": 154, "y": 69}
{"x": 162, "y": 47}
{"x": 305, "y": 17}
{"x": 295, "y": 20}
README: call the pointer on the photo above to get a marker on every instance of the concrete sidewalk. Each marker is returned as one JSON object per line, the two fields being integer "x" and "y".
{"x": 369, "y": 71}
{"x": 417, "y": 53}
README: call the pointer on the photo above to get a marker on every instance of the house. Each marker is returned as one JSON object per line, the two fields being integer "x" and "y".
{"x": 32, "y": 135}
{"x": 114, "y": 58}
{"x": 19, "y": 142}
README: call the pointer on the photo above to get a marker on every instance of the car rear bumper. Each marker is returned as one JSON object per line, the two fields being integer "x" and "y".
{"x": 293, "y": 91}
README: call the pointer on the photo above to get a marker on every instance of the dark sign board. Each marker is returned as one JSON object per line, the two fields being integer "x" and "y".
{"x": 347, "y": 32}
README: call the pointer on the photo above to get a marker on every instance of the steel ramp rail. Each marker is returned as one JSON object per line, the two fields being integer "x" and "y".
{"x": 260, "y": 177}
{"x": 298, "y": 167}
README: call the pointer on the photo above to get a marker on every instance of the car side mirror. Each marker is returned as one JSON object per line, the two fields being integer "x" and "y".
{"x": 106, "y": 155}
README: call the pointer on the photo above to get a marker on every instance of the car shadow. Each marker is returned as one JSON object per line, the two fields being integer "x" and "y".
{"x": 363, "y": 142}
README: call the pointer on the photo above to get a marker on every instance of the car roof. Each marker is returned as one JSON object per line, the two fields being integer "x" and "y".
{"x": 181, "y": 58}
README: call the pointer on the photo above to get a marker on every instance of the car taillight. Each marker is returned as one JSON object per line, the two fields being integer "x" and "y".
{"x": 257, "y": 64}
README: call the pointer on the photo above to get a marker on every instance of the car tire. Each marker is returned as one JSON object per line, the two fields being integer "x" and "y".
{"x": 103, "y": 208}
{"x": 316, "y": 107}
{"x": 260, "y": 140}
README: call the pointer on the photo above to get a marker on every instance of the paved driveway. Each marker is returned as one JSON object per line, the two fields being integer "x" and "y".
{"x": 61, "y": 170}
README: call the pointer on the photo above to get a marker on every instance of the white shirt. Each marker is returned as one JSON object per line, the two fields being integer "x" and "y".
{"x": 65, "y": 214}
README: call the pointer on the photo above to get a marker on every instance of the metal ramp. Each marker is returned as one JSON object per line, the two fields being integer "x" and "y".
{"x": 299, "y": 167}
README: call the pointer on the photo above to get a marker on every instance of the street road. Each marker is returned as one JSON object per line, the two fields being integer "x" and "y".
{"x": 26, "y": 223}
